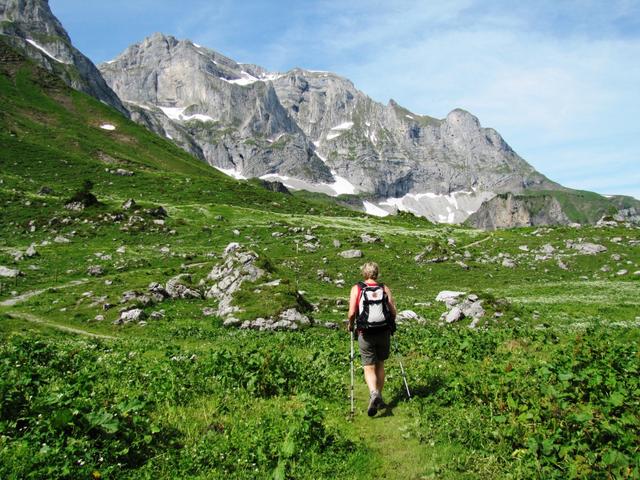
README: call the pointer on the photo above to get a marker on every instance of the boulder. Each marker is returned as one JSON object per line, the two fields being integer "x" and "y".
{"x": 9, "y": 272}
{"x": 180, "y": 287}
{"x": 31, "y": 251}
{"x": 366, "y": 238}
{"x": 448, "y": 294}
{"x": 133, "y": 315}
{"x": 409, "y": 316}
{"x": 129, "y": 204}
{"x": 95, "y": 270}
{"x": 508, "y": 263}
{"x": 587, "y": 248}
{"x": 453, "y": 315}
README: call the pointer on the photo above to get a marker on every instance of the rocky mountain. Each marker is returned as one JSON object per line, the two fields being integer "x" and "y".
{"x": 210, "y": 106}
{"x": 30, "y": 26}
{"x": 316, "y": 131}
{"x": 551, "y": 207}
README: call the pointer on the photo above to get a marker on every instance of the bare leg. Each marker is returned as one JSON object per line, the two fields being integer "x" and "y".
{"x": 370, "y": 377}
{"x": 379, "y": 374}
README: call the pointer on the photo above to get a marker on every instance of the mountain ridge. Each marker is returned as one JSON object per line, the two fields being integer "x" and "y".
{"x": 399, "y": 159}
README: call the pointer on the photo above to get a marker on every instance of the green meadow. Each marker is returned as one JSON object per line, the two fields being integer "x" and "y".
{"x": 546, "y": 386}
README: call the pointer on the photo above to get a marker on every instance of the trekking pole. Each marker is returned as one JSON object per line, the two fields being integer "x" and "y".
{"x": 352, "y": 377}
{"x": 404, "y": 375}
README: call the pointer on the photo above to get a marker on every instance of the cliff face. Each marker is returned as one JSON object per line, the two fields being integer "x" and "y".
{"x": 212, "y": 107}
{"x": 30, "y": 26}
{"x": 508, "y": 210}
{"x": 315, "y": 130}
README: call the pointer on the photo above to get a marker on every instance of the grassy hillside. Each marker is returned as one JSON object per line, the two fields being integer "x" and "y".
{"x": 548, "y": 388}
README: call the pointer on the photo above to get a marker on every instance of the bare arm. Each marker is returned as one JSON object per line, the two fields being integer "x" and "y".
{"x": 353, "y": 306}
{"x": 392, "y": 302}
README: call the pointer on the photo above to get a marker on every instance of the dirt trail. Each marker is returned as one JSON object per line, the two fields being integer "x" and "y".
{"x": 35, "y": 319}
{"x": 10, "y": 302}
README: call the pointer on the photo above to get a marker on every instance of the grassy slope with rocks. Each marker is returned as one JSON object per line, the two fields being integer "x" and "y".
{"x": 547, "y": 390}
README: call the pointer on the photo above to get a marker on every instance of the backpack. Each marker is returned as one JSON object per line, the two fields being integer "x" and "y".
{"x": 374, "y": 312}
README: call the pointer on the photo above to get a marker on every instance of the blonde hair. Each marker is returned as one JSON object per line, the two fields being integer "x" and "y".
{"x": 370, "y": 270}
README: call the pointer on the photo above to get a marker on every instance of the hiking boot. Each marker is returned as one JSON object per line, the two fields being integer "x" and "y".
{"x": 380, "y": 403}
{"x": 374, "y": 400}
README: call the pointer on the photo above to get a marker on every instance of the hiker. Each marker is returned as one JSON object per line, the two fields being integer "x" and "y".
{"x": 372, "y": 311}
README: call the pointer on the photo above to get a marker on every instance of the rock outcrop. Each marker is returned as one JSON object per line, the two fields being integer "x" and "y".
{"x": 30, "y": 26}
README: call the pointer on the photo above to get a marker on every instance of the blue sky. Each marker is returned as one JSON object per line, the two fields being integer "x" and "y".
{"x": 559, "y": 79}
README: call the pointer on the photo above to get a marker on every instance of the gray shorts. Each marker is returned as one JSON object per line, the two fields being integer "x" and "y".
{"x": 374, "y": 346}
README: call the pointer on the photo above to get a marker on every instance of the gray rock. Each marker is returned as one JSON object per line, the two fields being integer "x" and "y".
{"x": 208, "y": 311}
{"x": 453, "y": 315}
{"x": 95, "y": 270}
{"x": 133, "y": 315}
{"x": 61, "y": 239}
{"x": 157, "y": 315}
{"x": 31, "y": 251}
{"x": 238, "y": 266}
{"x": 472, "y": 309}
{"x": 587, "y": 248}
{"x": 129, "y": 204}
{"x": 547, "y": 249}
{"x": 9, "y": 272}
{"x": 351, "y": 254}
{"x": 336, "y": 243}
{"x": 180, "y": 287}
{"x": 622, "y": 272}
{"x": 445, "y": 295}
{"x": 409, "y": 316}
{"x": 123, "y": 172}
{"x": 508, "y": 263}
{"x": 366, "y": 238}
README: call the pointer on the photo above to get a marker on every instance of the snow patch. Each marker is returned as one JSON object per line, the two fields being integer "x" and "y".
{"x": 452, "y": 208}
{"x": 46, "y": 52}
{"x": 107, "y": 126}
{"x": 245, "y": 79}
{"x": 177, "y": 113}
{"x": 373, "y": 209}
{"x": 332, "y": 135}
{"x": 343, "y": 126}
{"x": 339, "y": 187}
{"x": 232, "y": 172}
{"x": 409, "y": 116}
{"x": 168, "y": 136}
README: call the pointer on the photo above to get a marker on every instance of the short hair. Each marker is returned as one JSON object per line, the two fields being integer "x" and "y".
{"x": 370, "y": 270}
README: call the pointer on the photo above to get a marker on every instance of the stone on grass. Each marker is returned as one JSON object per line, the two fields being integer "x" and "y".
{"x": 447, "y": 294}
{"x": 31, "y": 251}
{"x": 453, "y": 315}
{"x": 133, "y": 315}
{"x": 9, "y": 272}
{"x": 208, "y": 311}
{"x": 129, "y": 204}
{"x": 508, "y": 263}
{"x": 621, "y": 272}
{"x": 409, "y": 316}
{"x": 336, "y": 243}
{"x": 61, "y": 239}
{"x": 587, "y": 248}
{"x": 95, "y": 270}
{"x": 366, "y": 238}
{"x": 351, "y": 254}
{"x": 179, "y": 287}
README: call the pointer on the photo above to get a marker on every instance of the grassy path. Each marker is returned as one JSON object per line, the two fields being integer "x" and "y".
{"x": 397, "y": 453}
{"x": 27, "y": 295}
{"x": 35, "y": 319}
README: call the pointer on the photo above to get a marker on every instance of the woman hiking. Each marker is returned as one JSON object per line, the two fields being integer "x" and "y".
{"x": 372, "y": 312}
